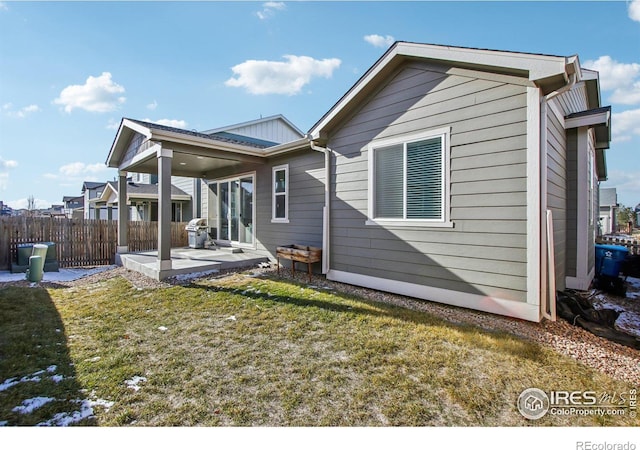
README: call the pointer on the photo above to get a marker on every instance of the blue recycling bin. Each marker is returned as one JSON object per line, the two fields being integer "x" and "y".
{"x": 609, "y": 259}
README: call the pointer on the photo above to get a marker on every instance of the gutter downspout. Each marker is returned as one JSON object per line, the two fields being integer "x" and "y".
{"x": 548, "y": 263}
{"x": 326, "y": 212}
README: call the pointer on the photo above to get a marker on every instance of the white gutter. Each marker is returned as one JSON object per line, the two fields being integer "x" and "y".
{"x": 547, "y": 265}
{"x": 326, "y": 213}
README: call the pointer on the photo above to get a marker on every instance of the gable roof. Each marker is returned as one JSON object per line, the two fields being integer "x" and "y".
{"x": 548, "y": 72}
{"x": 201, "y": 152}
{"x": 232, "y": 139}
{"x": 92, "y": 185}
{"x": 275, "y": 118}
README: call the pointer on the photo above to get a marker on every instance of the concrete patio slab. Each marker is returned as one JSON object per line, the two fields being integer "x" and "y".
{"x": 190, "y": 260}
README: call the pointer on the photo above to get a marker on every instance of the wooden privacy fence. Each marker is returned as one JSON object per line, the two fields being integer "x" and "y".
{"x": 80, "y": 242}
{"x": 632, "y": 244}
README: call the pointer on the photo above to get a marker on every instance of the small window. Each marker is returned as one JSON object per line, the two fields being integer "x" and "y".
{"x": 280, "y": 201}
{"x": 409, "y": 180}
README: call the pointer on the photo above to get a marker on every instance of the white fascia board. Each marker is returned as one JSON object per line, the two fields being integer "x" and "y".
{"x": 138, "y": 128}
{"x": 132, "y": 126}
{"x": 589, "y": 120}
{"x": 287, "y": 147}
{"x": 537, "y": 66}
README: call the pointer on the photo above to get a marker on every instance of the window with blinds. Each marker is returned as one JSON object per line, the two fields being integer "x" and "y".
{"x": 409, "y": 180}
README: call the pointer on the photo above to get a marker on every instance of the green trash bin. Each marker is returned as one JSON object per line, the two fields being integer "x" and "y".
{"x": 24, "y": 252}
{"x": 36, "y": 263}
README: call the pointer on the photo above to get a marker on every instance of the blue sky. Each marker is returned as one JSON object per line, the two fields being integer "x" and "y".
{"x": 70, "y": 71}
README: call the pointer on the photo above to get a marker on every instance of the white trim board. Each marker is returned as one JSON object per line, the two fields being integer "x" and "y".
{"x": 509, "y": 308}
{"x": 580, "y": 283}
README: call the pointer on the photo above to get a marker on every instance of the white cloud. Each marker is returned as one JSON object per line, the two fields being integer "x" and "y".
{"x": 276, "y": 77}
{"x": 634, "y": 10}
{"x": 79, "y": 168}
{"x": 269, "y": 9}
{"x": 22, "y": 112}
{"x": 5, "y": 165}
{"x": 77, "y": 172}
{"x": 152, "y": 106}
{"x": 23, "y": 203}
{"x": 113, "y": 124}
{"x": 8, "y": 163}
{"x": 379, "y": 41}
{"x": 98, "y": 94}
{"x": 4, "y": 6}
{"x": 625, "y": 124}
{"x": 621, "y": 78}
{"x": 169, "y": 122}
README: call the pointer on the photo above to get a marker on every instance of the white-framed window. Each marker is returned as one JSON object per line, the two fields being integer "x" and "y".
{"x": 280, "y": 195}
{"x": 409, "y": 180}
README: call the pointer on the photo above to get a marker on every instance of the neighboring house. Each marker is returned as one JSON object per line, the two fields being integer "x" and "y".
{"x": 444, "y": 173}
{"x": 143, "y": 202}
{"x": 608, "y": 210}
{"x": 5, "y": 210}
{"x": 54, "y": 211}
{"x": 73, "y": 207}
{"x": 90, "y": 191}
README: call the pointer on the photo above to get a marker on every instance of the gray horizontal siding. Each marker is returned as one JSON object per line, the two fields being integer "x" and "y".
{"x": 306, "y": 202}
{"x": 485, "y": 253}
{"x": 557, "y": 193}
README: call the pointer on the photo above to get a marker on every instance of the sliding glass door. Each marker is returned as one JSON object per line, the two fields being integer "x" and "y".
{"x": 235, "y": 210}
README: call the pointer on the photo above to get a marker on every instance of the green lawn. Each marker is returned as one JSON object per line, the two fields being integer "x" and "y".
{"x": 241, "y": 350}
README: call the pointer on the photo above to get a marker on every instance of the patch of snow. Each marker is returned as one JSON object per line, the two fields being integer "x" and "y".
{"x": 162, "y": 328}
{"x": 231, "y": 318}
{"x": 94, "y": 359}
{"x": 8, "y": 383}
{"x": 52, "y": 368}
{"x": 62, "y": 275}
{"x": 57, "y": 378}
{"x": 629, "y": 323}
{"x": 4, "y": 423}
{"x": 29, "y": 379}
{"x": 134, "y": 382}
{"x": 31, "y": 404}
{"x": 101, "y": 402}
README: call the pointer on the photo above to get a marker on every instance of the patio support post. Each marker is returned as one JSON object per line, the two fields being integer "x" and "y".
{"x": 164, "y": 209}
{"x": 123, "y": 218}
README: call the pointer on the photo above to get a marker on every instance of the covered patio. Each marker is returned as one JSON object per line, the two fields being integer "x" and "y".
{"x": 143, "y": 147}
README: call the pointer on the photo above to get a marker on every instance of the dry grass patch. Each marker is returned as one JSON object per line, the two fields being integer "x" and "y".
{"x": 240, "y": 350}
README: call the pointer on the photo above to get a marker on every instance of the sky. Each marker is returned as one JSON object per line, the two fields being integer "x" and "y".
{"x": 69, "y": 71}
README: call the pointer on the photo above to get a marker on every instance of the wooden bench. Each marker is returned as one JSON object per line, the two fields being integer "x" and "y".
{"x": 299, "y": 253}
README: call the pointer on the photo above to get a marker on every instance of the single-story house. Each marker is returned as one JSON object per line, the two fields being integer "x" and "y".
{"x": 458, "y": 175}
{"x": 608, "y": 209}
